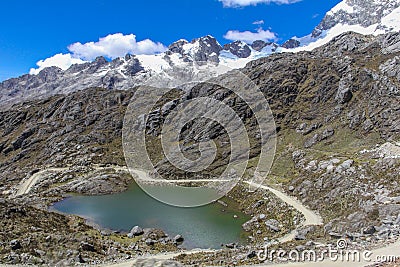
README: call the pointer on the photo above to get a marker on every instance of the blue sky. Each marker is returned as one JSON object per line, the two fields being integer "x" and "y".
{"x": 35, "y": 30}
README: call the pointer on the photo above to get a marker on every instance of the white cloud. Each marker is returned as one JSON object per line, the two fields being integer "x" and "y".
{"x": 63, "y": 61}
{"x": 315, "y": 16}
{"x": 115, "y": 45}
{"x": 111, "y": 46}
{"x": 240, "y": 3}
{"x": 258, "y": 22}
{"x": 250, "y": 37}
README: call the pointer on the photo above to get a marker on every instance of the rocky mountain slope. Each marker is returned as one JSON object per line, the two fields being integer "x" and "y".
{"x": 364, "y": 17}
{"x": 180, "y": 63}
{"x": 337, "y": 116}
{"x": 338, "y": 122}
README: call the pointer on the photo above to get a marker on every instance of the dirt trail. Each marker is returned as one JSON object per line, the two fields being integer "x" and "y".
{"x": 27, "y": 185}
{"x": 311, "y": 218}
{"x": 161, "y": 256}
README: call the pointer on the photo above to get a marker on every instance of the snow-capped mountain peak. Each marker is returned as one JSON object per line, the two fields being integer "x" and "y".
{"x": 203, "y": 49}
{"x": 239, "y": 49}
{"x": 368, "y": 17}
{"x": 364, "y": 13}
{"x": 182, "y": 58}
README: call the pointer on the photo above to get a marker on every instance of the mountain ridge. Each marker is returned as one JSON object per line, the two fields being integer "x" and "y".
{"x": 180, "y": 63}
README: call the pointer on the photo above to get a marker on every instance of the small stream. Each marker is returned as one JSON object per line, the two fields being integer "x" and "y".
{"x": 202, "y": 227}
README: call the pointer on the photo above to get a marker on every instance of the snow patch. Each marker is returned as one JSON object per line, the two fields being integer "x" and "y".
{"x": 342, "y": 6}
{"x": 332, "y": 33}
{"x": 234, "y": 62}
{"x": 153, "y": 62}
{"x": 392, "y": 21}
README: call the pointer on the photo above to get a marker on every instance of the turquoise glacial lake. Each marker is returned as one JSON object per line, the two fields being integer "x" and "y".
{"x": 202, "y": 227}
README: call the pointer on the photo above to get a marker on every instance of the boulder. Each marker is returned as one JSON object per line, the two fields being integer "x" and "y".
{"x": 258, "y": 204}
{"x": 136, "y": 231}
{"x": 344, "y": 95}
{"x": 247, "y": 226}
{"x": 298, "y": 155}
{"x": 302, "y": 233}
{"x": 178, "y": 239}
{"x": 230, "y": 245}
{"x": 148, "y": 262}
{"x": 344, "y": 166}
{"x": 318, "y": 137}
{"x": 15, "y": 244}
{"x": 252, "y": 254}
{"x": 149, "y": 242}
{"x": 384, "y": 233}
{"x": 87, "y": 247}
{"x": 39, "y": 252}
{"x": 262, "y": 216}
{"x": 154, "y": 234}
{"x": 273, "y": 225}
{"x": 397, "y": 221}
{"x": 335, "y": 235}
{"x": 79, "y": 258}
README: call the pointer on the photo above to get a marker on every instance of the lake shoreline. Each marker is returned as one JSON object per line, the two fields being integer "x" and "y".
{"x": 214, "y": 211}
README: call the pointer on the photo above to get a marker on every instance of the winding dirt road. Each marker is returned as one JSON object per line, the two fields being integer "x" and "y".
{"x": 27, "y": 185}
{"x": 160, "y": 256}
{"x": 311, "y": 218}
